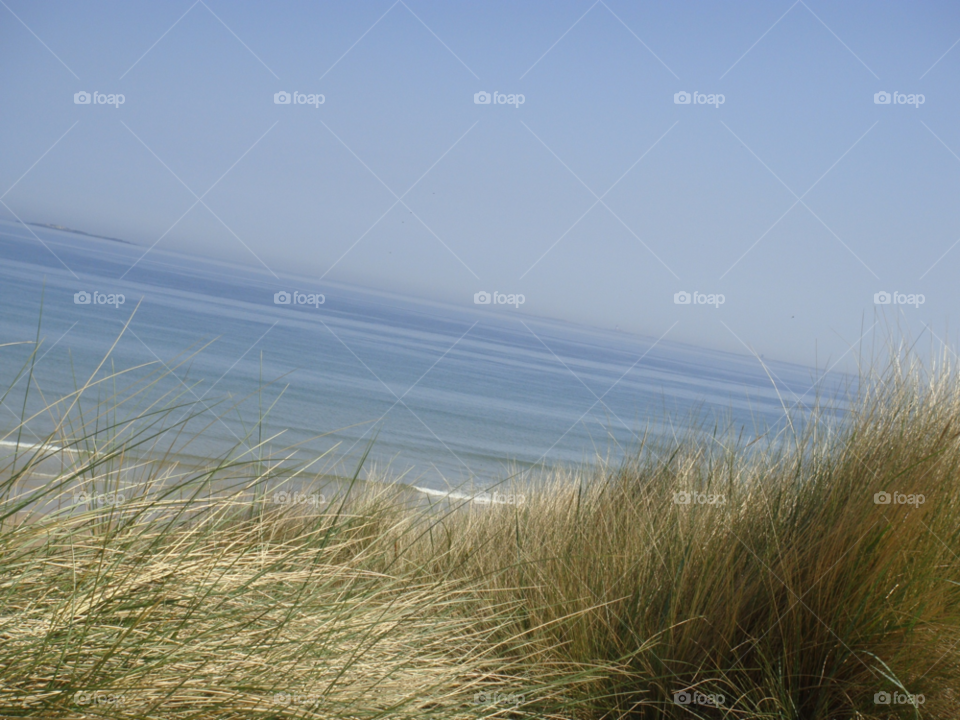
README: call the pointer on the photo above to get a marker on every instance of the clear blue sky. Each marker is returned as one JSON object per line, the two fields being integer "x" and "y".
{"x": 497, "y": 197}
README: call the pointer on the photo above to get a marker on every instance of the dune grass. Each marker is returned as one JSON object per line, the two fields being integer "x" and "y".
{"x": 717, "y": 577}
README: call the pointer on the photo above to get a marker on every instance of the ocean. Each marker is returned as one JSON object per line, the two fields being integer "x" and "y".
{"x": 449, "y": 396}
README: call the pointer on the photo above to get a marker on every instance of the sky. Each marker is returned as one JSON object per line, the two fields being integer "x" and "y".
{"x": 797, "y": 199}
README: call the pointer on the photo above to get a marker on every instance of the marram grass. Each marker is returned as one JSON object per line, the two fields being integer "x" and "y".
{"x": 811, "y": 576}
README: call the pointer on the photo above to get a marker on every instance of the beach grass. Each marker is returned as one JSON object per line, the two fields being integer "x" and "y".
{"x": 811, "y": 574}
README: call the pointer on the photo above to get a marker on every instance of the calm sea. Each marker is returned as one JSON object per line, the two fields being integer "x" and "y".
{"x": 452, "y": 395}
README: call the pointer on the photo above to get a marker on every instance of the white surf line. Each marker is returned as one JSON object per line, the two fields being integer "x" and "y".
{"x": 482, "y": 498}
{"x": 440, "y": 493}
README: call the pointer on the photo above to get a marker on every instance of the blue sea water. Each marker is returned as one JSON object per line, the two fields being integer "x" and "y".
{"x": 451, "y": 395}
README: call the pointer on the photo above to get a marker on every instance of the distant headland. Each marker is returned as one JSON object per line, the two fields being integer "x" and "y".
{"x": 51, "y": 226}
